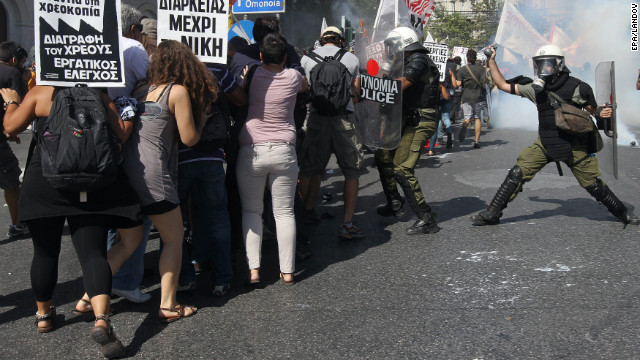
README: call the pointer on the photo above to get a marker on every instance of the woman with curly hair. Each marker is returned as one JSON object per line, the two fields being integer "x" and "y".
{"x": 172, "y": 106}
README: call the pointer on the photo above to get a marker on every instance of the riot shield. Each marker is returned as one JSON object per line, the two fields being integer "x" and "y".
{"x": 606, "y": 94}
{"x": 379, "y": 110}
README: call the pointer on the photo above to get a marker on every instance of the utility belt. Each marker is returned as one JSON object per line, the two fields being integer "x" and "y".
{"x": 415, "y": 116}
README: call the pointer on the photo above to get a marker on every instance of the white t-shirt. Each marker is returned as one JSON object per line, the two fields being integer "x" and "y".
{"x": 349, "y": 60}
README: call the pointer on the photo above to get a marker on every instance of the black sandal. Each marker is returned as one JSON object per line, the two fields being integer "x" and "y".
{"x": 46, "y": 317}
{"x": 111, "y": 345}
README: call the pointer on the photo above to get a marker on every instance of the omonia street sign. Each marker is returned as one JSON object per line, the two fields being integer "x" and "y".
{"x": 258, "y": 6}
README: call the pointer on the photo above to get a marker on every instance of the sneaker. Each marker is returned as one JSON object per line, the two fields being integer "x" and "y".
{"x": 351, "y": 231}
{"x": 476, "y": 145}
{"x": 17, "y": 230}
{"x": 135, "y": 295}
{"x": 220, "y": 290}
{"x": 191, "y": 285}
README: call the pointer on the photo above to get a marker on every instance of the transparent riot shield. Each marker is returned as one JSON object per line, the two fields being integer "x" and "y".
{"x": 606, "y": 94}
{"x": 379, "y": 110}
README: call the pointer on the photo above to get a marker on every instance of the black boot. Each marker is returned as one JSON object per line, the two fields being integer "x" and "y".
{"x": 394, "y": 205}
{"x": 426, "y": 223}
{"x": 492, "y": 215}
{"x": 449, "y": 142}
{"x": 601, "y": 192}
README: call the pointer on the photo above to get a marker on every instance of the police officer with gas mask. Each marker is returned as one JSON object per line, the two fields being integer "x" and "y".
{"x": 420, "y": 82}
{"x": 553, "y": 83}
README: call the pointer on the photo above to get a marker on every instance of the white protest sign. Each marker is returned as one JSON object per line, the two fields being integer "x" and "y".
{"x": 438, "y": 53}
{"x": 78, "y": 42}
{"x": 462, "y": 52}
{"x": 202, "y": 25}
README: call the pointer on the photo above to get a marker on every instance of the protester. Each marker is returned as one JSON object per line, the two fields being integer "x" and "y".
{"x": 553, "y": 144}
{"x": 173, "y": 103}
{"x": 472, "y": 78}
{"x": 45, "y": 210}
{"x": 420, "y": 103}
{"x": 444, "y": 108}
{"x": 202, "y": 184}
{"x": 267, "y": 155}
{"x": 456, "y": 111}
{"x": 128, "y": 275}
{"x": 12, "y": 57}
{"x": 338, "y": 134}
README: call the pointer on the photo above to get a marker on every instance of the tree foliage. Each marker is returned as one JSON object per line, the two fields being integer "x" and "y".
{"x": 474, "y": 30}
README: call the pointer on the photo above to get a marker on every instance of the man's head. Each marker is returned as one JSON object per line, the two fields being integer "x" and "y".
{"x": 457, "y": 60}
{"x": 131, "y": 26}
{"x": 236, "y": 43}
{"x": 264, "y": 26}
{"x": 471, "y": 56}
{"x": 331, "y": 35}
{"x": 273, "y": 49}
{"x": 13, "y": 54}
{"x": 548, "y": 61}
{"x": 402, "y": 39}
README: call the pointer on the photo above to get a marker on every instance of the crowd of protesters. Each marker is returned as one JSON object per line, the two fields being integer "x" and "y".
{"x": 278, "y": 149}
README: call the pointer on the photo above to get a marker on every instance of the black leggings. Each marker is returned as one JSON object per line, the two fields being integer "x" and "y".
{"x": 89, "y": 237}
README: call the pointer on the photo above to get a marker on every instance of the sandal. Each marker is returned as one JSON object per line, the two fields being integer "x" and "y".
{"x": 48, "y": 317}
{"x": 85, "y": 305}
{"x": 181, "y": 311}
{"x": 290, "y": 282}
{"x": 104, "y": 335}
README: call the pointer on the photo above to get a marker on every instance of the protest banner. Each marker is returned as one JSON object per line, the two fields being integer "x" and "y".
{"x": 462, "y": 52}
{"x": 438, "y": 53}
{"x": 516, "y": 34}
{"x": 78, "y": 42}
{"x": 202, "y": 25}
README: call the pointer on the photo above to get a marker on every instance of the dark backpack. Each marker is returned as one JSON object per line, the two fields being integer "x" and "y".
{"x": 216, "y": 130}
{"x": 77, "y": 147}
{"x": 330, "y": 84}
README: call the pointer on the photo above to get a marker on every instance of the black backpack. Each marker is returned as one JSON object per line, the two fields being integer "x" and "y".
{"x": 77, "y": 147}
{"x": 330, "y": 84}
{"x": 216, "y": 130}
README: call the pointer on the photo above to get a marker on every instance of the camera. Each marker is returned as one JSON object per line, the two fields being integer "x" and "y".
{"x": 487, "y": 50}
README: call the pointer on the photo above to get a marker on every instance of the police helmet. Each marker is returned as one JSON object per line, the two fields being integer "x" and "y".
{"x": 548, "y": 61}
{"x": 402, "y": 39}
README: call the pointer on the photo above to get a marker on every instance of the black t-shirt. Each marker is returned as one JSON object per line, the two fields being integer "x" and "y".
{"x": 10, "y": 77}
{"x": 473, "y": 90}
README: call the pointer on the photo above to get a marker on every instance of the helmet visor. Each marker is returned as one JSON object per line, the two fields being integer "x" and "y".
{"x": 393, "y": 45}
{"x": 545, "y": 66}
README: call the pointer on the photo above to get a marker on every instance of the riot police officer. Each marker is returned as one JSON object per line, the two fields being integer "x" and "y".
{"x": 420, "y": 103}
{"x": 553, "y": 144}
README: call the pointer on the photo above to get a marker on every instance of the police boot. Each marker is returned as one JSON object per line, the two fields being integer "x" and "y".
{"x": 394, "y": 205}
{"x": 491, "y": 216}
{"x": 601, "y": 192}
{"x": 426, "y": 223}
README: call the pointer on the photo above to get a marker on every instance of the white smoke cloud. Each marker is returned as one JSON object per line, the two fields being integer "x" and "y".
{"x": 71, "y": 12}
{"x": 602, "y": 30}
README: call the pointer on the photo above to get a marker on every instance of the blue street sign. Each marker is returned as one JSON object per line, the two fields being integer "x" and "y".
{"x": 258, "y": 6}
{"x": 241, "y": 26}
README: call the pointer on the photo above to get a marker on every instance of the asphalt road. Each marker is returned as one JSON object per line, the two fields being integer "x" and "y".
{"x": 556, "y": 279}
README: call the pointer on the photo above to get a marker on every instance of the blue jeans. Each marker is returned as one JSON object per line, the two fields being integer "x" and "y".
{"x": 205, "y": 182}
{"x": 443, "y": 117}
{"x": 130, "y": 274}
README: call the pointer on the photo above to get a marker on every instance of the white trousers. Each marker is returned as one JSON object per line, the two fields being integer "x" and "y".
{"x": 274, "y": 165}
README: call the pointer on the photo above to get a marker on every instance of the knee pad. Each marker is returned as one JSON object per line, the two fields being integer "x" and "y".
{"x": 598, "y": 189}
{"x": 515, "y": 174}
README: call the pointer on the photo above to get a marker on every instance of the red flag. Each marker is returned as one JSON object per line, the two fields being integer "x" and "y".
{"x": 422, "y": 8}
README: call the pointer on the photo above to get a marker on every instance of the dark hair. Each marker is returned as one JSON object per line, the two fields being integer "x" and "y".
{"x": 457, "y": 60}
{"x": 471, "y": 56}
{"x": 331, "y": 38}
{"x": 237, "y": 43}
{"x": 174, "y": 62}
{"x": 264, "y": 26}
{"x": 273, "y": 49}
{"x": 11, "y": 49}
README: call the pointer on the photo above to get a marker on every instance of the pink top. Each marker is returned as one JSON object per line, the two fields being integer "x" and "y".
{"x": 272, "y": 97}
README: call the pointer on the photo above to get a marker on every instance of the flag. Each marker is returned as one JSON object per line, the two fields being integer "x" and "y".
{"x": 409, "y": 13}
{"x": 516, "y": 34}
{"x": 323, "y": 26}
{"x": 421, "y": 8}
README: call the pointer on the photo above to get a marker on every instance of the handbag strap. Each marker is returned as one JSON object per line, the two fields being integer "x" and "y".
{"x": 474, "y": 77}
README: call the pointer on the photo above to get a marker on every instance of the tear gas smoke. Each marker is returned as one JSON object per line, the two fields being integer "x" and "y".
{"x": 602, "y": 31}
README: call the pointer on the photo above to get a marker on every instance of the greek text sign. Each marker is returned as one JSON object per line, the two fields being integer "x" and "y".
{"x": 202, "y": 25}
{"x": 78, "y": 42}
{"x": 438, "y": 53}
